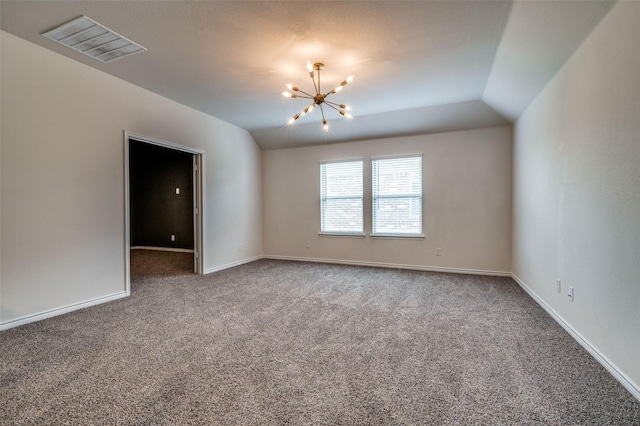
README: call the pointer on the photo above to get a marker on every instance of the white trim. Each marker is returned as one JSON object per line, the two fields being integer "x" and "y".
{"x": 393, "y": 157}
{"x": 391, "y": 265}
{"x": 59, "y": 311}
{"x": 232, "y": 264}
{"x": 127, "y": 226}
{"x": 398, "y": 236}
{"x": 160, "y": 142}
{"x": 338, "y": 234}
{"x": 624, "y": 380}
{"x": 198, "y": 194}
{"x": 345, "y": 160}
{"x": 178, "y": 250}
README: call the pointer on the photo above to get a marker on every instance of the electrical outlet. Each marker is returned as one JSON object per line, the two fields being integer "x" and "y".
{"x": 438, "y": 251}
{"x": 559, "y": 286}
{"x": 177, "y": 191}
{"x": 173, "y": 237}
{"x": 570, "y": 294}
{"x": 307, "y": 244}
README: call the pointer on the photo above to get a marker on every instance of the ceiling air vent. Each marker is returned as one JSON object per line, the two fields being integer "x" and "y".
{"x": 88, "y": 37}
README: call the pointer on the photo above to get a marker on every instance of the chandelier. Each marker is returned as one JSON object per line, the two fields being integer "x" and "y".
{"x": 319, "y": 98}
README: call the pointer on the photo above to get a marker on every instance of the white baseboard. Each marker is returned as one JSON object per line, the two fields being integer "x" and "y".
{"x": 59, "y": 311}
{"x": 179, "y": 250}
{"x": 232, "y": 264}
{"x": 391, "y": 265}
{"x": 624, "y": 380}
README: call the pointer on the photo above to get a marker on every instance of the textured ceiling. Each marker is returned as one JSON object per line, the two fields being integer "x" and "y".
{"x": 420, "y": 66}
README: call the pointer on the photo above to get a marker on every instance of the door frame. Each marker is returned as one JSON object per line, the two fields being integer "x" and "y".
{"x": 198, "y": 201}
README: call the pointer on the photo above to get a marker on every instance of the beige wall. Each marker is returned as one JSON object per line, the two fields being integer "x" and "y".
{"x": 577, "y": 191}
{"x": 466, "y": 192}
{"x": 63, "y": 179}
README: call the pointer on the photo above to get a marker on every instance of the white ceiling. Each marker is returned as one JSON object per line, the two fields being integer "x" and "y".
{"x": 420, "y": 66}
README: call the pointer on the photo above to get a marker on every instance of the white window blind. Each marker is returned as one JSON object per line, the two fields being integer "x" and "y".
{"x": 341, "y": 197}
{"x": 397, "y": 196}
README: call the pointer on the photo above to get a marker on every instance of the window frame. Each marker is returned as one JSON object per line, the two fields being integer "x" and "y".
{"x": 375, "y": 196}
{"x": 323, "y": 198}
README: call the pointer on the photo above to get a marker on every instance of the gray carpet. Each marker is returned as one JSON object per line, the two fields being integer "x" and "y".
{"x": 275, "y": 342}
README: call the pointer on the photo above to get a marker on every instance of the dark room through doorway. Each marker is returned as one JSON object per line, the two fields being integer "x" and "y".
{"x": 162, "y": 183}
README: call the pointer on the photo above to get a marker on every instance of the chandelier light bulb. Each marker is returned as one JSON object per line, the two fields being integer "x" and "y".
{"x": 325, "y": 125}
{"x": 293, "y": 119}
{"x": 345, "y": 107}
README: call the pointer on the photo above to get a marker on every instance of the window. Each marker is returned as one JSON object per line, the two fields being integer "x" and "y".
{"x": 397, "y": 196}
{"x": 341, "y": 197}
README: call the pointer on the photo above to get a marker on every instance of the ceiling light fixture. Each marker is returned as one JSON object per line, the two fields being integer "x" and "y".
{"x": 319, "y": 98}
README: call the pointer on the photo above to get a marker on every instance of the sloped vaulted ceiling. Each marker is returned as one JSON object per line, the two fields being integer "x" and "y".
{"x": 420, "y": 66}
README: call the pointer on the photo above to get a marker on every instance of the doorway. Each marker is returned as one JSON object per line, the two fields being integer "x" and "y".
{"x": 163, "y": 199}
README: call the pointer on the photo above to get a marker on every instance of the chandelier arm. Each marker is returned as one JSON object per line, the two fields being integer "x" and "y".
{"x": 325, "y": 126}
{"x": 329, "y": 102}
{"x": 331, "y": 92}
{"x": 308, "y": 94}
{"x": 329, "y": 105}
{"x": 305, "y": 97}
{"x": 314, "y": 82}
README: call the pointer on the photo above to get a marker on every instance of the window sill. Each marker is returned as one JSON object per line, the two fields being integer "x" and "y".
{"x": 338, "y": 234}
{"x": 398, "y": 237}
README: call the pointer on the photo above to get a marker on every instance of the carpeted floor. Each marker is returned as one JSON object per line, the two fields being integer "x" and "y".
{"x": 275, "y": 342}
